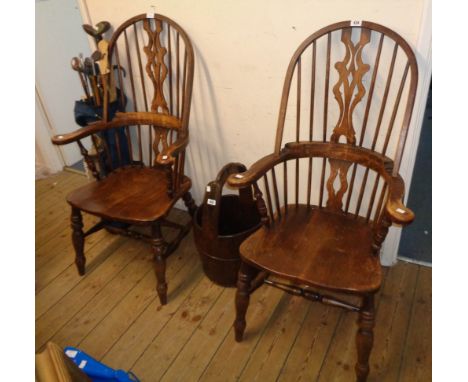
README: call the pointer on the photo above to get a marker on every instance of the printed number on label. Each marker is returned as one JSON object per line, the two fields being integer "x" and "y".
{"x": 356, "y": 23}
{"x": 211, "y": 202}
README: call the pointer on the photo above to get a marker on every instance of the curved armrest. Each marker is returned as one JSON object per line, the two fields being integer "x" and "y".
{"x": 76, "y": 135}
{"x": 167, "y": 155}
{"x": 397, "y": 211}
{"x": 255, "y": 171}
{"x": 120, "y": 119}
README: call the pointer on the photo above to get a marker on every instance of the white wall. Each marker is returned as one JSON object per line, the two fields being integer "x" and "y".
{"x": 242, "y": 49}
{"x": 59, "y": 37}
{"x": 48, "y": 158}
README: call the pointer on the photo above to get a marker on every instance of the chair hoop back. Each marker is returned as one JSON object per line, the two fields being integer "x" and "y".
{"x": 158, "y": 56}
{"x": 362, "y": 85}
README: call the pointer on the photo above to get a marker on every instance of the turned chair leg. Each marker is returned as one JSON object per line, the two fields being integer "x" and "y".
{"x": 159, "y": 252}
{"x": 78, "y": 240}
{"x": 244, "y": 280}
{"x": 189, "y": 203}
{"x": 365, "y": 338}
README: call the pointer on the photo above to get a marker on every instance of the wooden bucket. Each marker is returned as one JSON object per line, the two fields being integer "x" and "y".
{"x": 221, "y": 224}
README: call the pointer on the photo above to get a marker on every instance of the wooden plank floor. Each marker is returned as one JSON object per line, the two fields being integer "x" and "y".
{"x": 113, "y": 313}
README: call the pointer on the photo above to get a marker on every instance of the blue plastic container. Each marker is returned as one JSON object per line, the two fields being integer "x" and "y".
{"x": 97, "y": 371}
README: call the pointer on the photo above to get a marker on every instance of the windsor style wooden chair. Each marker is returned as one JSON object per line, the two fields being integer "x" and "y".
{"x": 143, "y": 191}
{"x": 342, "y": 177}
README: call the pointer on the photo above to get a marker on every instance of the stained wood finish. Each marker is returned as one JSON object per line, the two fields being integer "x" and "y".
{"x": 142, "y": 190}
{"x": 325, "y": 245}
{"x": 115, "y": 316}
{"x": 131, "y": 204}
{"x": 221, "y": 224}
{"x": 330, "y": 251}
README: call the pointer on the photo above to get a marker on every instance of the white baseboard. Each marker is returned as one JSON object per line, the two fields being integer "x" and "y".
{"x": 419, "y": 262}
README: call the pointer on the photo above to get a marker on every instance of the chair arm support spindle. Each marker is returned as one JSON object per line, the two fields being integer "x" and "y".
{"x": 89, "y": 161}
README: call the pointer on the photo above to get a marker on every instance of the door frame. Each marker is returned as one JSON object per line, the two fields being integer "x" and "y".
{"x": 423, "y": 52}
{"x": 53, "y": 156}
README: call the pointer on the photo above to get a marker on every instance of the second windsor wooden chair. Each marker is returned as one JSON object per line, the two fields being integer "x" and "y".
{"x": 332, "y": 191}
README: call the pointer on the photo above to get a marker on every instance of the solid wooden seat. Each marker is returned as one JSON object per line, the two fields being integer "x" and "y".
{"x": 318, "y": 248}
{"x": 131, "y": 195}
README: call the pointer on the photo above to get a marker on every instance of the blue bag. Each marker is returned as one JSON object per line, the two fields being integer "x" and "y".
{"x": 97, "y": 371}
{"x": 86, "y": 113}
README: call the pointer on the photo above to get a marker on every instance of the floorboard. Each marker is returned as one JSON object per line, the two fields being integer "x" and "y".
{"x": 113, "y": 313}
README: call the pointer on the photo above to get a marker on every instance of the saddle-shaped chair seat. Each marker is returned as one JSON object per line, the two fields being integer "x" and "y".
{"x": 319, "y": 248}
{"x": 134, "y": 195}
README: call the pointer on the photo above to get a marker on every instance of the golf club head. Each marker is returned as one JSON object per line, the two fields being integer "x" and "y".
{"x": 101, "y": 28}
{"x": 76, "y": 64}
